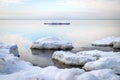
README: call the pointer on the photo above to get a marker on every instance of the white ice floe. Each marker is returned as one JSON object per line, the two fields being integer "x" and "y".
{"x": 86, "y": 76}
{"x": 69, "y": 74}
{"x": 12, "y": 68}
{"x": 92, "y": 60}
{"x": 98, "y": 54}
{"x": 110, "y": 60}
{"x": 10, "y": 48}
{"x": 11, "y": 64}
{"x": 51, "y": 43}
{"x": 71, "y": 58}
{"x": 103, "y": 63}
{"x": 106, "y": 41}
{"x": 116, "y": 45}
{"x": 105, "y": 74}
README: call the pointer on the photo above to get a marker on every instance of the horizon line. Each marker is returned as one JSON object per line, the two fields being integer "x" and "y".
{"x": 58, "y": 19}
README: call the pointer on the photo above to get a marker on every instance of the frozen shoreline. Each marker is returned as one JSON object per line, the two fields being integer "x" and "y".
{"x": 12, "y": 68}
{"x": 101, "y": 65}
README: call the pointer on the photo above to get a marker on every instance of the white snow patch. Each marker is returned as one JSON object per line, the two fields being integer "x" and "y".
{"x": 52, "y": 43}
{"x": 110, "y": 60}
{"x": 86, "y": 76}
{"x": 69, "y": 74}
{"x": 105, "y": 74}
{"x": 116, "y": 45}
{"x": 71, "y": 58}
{"x": 92, "y": 60}
{"x": 106, "y": 41}
{"x": 12, "y": 68}
{"x": 10, "y": 48}
{"x": 104, "y": 63}
{"x": 98, "y": 54}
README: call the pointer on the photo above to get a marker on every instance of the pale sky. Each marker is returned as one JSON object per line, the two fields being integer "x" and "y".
{"x": 59, "y": 9}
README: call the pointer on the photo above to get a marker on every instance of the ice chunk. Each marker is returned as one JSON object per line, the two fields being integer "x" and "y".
{"x": 105, "y": 74}
{"x": 68, "y": 74}
{"x": 71, "y": 58}
{"x": 12, "y": 68}
{"x": 98, "y": 54}
{"x": 106, "y": 41}
{"x": 104, "y": 63}
{"x": 52, "y": 43}
{"x": 116, "y": 45}
{"x": 86, "y": 76}
{"x": 9, "y": 48}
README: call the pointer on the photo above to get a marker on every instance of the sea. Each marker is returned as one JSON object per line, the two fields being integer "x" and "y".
{"x": 80, "y": 32}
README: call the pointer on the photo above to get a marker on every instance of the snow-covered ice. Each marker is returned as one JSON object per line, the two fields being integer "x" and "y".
{"x": 52, "y": 43}
{"x": 105, "y": 74}
{"x": 106, "y": 41}
{"x": 9, "y": 48}
{"x": 92, "y": 60}
{"x": 82, "y": 57}
{"x": 110, "y": 60}
{"x": 11, "y": 64}
{"x": 98, "y": 53}
{"x": 103, "y": 63}
{"x": 71, "y": 58}
{"x": 12, "y": 68}
{"x": 116, "y": 45}
{"x": 86, "y": 76}
{"x": 68, "y": 74}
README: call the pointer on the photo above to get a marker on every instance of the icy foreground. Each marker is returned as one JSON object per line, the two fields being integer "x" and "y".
{"x": 10, "y": 48}
{"x": 52, "y": 43}
{"x": 92, "y": 60}
{"x": 71, "y": 58}
{"x": 12, "y": 68}
{"x": 109, "y": 41}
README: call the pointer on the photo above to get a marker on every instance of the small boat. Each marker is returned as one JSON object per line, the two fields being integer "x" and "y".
{"x": 57, "y": 23}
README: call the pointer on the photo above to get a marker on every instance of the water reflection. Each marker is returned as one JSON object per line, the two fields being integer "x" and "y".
{"x": 43, "y": 58}
{"x": 62, "y": 65}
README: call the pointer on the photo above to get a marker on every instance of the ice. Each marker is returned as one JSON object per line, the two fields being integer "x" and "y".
{"x": 106, "y": 41}
{"x": 52, "y": 43}
{"x": 71, "y": 58}
{"x": 92, "y": 60}
{"x": 16, "y": 69}
{"x": 116, "y": 45}
{"x": 86, "y": 76}
{"x": 105, "y": 74}
{"x": 11, "y": 64}
{"x": 13, "y": 68}
{"x": 10, "y": 48}
{"x": 98, "y": 53}
{"x": 110, "y": 60}
{"x": 69, "y": 74}
{"x": 104, "y": 63}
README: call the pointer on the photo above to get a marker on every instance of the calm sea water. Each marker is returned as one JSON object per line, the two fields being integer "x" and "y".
{"x": 80, "y": 32}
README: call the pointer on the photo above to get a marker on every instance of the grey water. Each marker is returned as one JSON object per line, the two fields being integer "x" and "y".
{"x": 80, "y": 32}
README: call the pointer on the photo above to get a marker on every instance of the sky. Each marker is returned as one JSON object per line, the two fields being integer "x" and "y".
{"x": 59, "y": 9}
